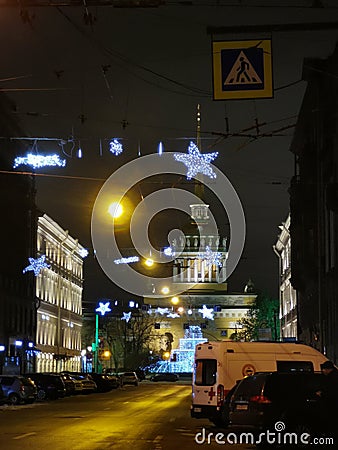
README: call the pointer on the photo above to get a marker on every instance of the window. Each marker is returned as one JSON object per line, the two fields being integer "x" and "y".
{"x": 205, "y": 372}
{"x": 294, "y": 366}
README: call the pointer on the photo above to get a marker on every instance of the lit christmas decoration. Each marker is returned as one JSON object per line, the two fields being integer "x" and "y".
{"x": 83, "y": 252}
{"x": 160, "y": 148}
{"x": 126, "y": 316}
{"x": 197, "y": 162}
{"x": 38, "y": 161}
{"x": 116, "y": 147}
{"x": 207, "y": 313}
{"x": 103, "y": 308}
{"x": 168, "y": 251}
{"x": 161, "y": 311}
{"x": 36, "y": 265}
{"x": 128, "y": 260}
{"x": 173, "y": 315}
{"x": 211, "y": 257}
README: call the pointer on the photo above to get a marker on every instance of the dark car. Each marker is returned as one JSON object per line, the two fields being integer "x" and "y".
{"x": 69, "y": 383}
{"x": 2, "y": 396}
{"x": 164, "y": 377}
{"x": 49, "y": 386}
{"x": 262, "y": 399}
{"x": 103, "y": 382}
{"x": 18, "y": 389}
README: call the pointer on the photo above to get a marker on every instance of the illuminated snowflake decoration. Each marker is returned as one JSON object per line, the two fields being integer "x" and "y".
{"x": 116, "y": 147}
{"x": 38, "y": 161}
{"x": 211, "y": 258}
{"x": 83, "y": 252}
{"x": 103, "y": 308}
{"x": 168, "y": 251}
{"x": 126, "y": 316}
{"x": 36, "y": 265}
{"x": 207, "y": 313}
{"x": 197, "y": 162}
{"x": 128, "y": 260}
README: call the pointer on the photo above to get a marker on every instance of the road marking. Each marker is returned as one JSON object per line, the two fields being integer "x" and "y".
{"x": 24, "y": 435}
{"x": 158, "y": 438}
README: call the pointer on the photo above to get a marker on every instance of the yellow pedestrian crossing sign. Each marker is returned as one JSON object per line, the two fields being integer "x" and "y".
{"x": 242, "y": 69}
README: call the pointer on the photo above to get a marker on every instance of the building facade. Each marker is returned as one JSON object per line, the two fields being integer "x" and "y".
{"x": 18, "y": 231}
{"x": 59, "y": 294}
{"x": 287, "y": 294}
{"x": 314, "y": 207}
{"x": 204, "y": 310}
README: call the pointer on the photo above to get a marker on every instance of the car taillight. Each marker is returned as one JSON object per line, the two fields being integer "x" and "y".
{"x": 259, "y": 399}
{"x": 220, "y": 395}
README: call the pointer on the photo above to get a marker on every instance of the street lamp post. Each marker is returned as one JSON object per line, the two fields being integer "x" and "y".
{"x": 102, "y": 308}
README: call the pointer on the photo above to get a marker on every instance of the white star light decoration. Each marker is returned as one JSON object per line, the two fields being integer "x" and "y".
{"x": 38, "y": 161}
{"x": 207, "y": 313}
{"x": 116, "y": 147}
{"x": 126, "y": 316}
{"x": 211, "y": 257}
{"x": 103, "y": 308}
{"x": 36, "y": 265}
{"x": 197, "y": 162}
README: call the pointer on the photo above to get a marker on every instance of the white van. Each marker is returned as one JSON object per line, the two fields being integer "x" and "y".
{"x": 218, "y": 365}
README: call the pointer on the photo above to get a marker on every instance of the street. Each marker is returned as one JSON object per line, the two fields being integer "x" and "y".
{"x": 152, "y": 416}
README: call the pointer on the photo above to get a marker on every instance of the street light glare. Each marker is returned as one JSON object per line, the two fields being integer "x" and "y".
{"x": 115, "y": 210}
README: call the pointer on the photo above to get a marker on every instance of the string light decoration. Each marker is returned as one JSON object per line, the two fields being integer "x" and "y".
{"x": 130, "y": 259}
{"x": 197, "y": 162}
{"x": 207, "y": 313}
{"x": 36, "y": 265}
{"x": 162, "y": 311}
{"x": 38, "y": 161}
{"x": 168, "y": 251}
{"x": 211, "y": 258}
{"x": 126, "y": 316}
{"x": 116, "y": 147}
{"x": 160, "y": 148}
{"x": 103, "y": 308}
{"x": 173, "y": 315}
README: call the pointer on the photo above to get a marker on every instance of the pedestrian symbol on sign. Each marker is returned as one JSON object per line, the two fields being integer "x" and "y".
{"x": 242, "y": 72}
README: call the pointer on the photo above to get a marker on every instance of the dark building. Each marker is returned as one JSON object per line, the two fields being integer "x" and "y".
{"x": 18, "y": 243}
{"x": 314, "y": 207}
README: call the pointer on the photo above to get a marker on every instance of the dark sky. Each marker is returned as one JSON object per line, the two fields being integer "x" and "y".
{"x": 149, "y": 68}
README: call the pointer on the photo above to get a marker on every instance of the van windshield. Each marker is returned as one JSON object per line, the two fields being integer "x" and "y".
{"x": 205, "y": 372}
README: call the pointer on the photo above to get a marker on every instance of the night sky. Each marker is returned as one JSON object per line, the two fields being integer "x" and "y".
{"x": 138, "y": 74}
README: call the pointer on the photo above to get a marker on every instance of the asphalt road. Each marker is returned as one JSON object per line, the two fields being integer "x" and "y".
{"x": 152, "y": 416}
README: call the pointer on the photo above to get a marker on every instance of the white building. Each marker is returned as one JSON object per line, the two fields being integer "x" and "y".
{"x": 59, "y": 293}
{"x": 287, "y": 295}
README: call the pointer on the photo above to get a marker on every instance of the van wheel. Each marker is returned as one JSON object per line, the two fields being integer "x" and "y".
{"x": 14, "y": 399}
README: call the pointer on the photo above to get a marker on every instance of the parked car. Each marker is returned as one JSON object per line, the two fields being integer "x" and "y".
{"x": 114, "y": 380}
{"x": 164, "y": 377}
{"x": 102, "y": 381}
{"x": 69, "y": 383}
{"x": 262, "y": 399}
{"x": 18, "y": 389}
{"x": 3, "y": 397}
{"x": 87, "y": 383}
{"x": 49, "y": 386}
{"x": 128, "y": 378}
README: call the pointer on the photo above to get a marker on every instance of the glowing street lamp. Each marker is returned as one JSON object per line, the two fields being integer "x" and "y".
{"x": 115, "y": 209}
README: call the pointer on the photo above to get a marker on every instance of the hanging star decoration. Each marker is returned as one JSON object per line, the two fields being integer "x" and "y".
{"x": 103, "y": 308}
{"x": 210, "y": 257}
{"x": 116, "y": 147}
{"x": 197, "y": 162}
{"x": 207, "y": 313}
{"x": 126, "y": 316}
{"x": 36, "y": 265}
